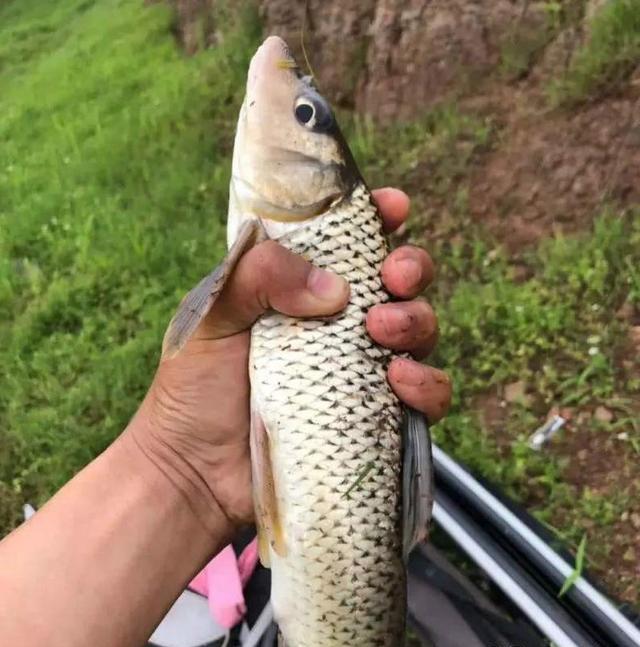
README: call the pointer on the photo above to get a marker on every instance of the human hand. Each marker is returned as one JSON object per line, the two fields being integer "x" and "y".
{"x": 194, "y": 422}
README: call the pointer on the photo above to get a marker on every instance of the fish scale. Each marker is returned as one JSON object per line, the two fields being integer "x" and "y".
{"x": 335, "y": 437}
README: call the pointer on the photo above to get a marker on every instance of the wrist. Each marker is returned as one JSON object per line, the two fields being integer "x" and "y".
{"x": 175, "y": 473}
{"x": 210, "y": 472}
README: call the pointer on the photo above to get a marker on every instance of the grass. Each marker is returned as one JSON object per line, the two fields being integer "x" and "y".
{"x": 114, "y": 165}
{"x": 556, "y": 333}
{"x": 609, "y": 55}
{"x": 575, "y": 575}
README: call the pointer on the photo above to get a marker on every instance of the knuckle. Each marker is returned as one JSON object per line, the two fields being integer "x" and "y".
{"x": 427, "y": 331}
{"x": 420, "y": 259}
{"x": 265, "y": 252}
{"x": 264, "y": 259}
{"x": 443, "y": 407}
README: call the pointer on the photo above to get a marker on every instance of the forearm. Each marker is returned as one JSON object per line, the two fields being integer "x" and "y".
{"x": 105, "y": 558}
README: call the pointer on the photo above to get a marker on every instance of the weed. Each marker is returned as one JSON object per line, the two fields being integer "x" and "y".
{"x": 579, "y": 567}
{"x": 609, "y": 55}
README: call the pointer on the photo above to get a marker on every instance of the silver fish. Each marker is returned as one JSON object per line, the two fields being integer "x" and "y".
{"x": 341, "y": 469}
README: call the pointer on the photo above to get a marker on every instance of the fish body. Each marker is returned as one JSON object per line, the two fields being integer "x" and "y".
{"x": 341, "y": 470}
{"x": 334, "y": 426}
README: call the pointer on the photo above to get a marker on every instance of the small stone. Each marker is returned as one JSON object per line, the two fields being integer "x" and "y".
{"x": 629, "y": 555}
{"x": 582, "y": 455}
{"x": 515, "y": 392}
{"x": 602, "y": 414}
{"x": 564, "y": 412}
{"x": 623, "y": 435}
{"x": 624, "y": 516}
{"x": 635, "y": 520}
{"x": 532, "y": 193}
{"x": 579, "y": 187}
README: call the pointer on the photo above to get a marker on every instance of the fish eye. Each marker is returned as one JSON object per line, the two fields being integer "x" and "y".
{"x": 305, "y": 112}
{"x": 313, "y": 112}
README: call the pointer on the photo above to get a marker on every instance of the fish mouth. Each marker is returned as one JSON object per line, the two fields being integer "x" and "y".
{"x": 267, "y": 210}
{"x": 273, "y": 54}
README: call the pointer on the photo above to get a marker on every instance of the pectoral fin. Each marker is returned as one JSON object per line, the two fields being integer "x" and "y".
{"x": 417, "y": 480}
{"x": 270, "y": 533}
{"x": 197, "y": 303}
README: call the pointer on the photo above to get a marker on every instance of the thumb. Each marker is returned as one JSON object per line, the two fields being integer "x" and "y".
{"x": 270, "y": 277}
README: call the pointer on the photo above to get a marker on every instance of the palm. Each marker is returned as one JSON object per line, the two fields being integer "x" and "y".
{"x": 208, "y": 415}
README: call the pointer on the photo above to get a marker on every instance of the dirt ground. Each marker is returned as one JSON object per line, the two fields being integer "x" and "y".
{"x": 554, "y": 170}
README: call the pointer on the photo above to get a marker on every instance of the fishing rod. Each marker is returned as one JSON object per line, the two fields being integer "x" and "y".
{"x": 521, "y": 588}
{"x": 495, "y": 534}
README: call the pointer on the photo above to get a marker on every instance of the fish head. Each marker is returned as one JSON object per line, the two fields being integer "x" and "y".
{"x": 290, "y": 161}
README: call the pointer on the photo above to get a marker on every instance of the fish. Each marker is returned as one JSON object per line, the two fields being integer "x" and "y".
{"x": 341, "y": 469}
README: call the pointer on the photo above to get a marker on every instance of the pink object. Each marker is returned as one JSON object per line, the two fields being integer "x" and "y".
{"x": 222, "y": 581}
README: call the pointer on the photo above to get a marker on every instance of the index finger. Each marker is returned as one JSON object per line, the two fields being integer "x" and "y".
{"x": 393, "y": 205}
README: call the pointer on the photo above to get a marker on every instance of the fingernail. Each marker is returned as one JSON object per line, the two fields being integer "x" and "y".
{"x": 395, "y": 320}
{"x": 410, "y": 270}
{"x": 412, "y": 373}
{"x": 326, "y": 285}
{"x": 440, "y": 377}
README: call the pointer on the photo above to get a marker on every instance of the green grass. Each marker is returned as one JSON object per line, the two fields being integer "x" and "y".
{"x": 575, "y": 575}
{"x": 610, "y": 53}
{"x": 440, "y": 146}
{"x": 556, "y": 332}
{"x": 114, "y": 165}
